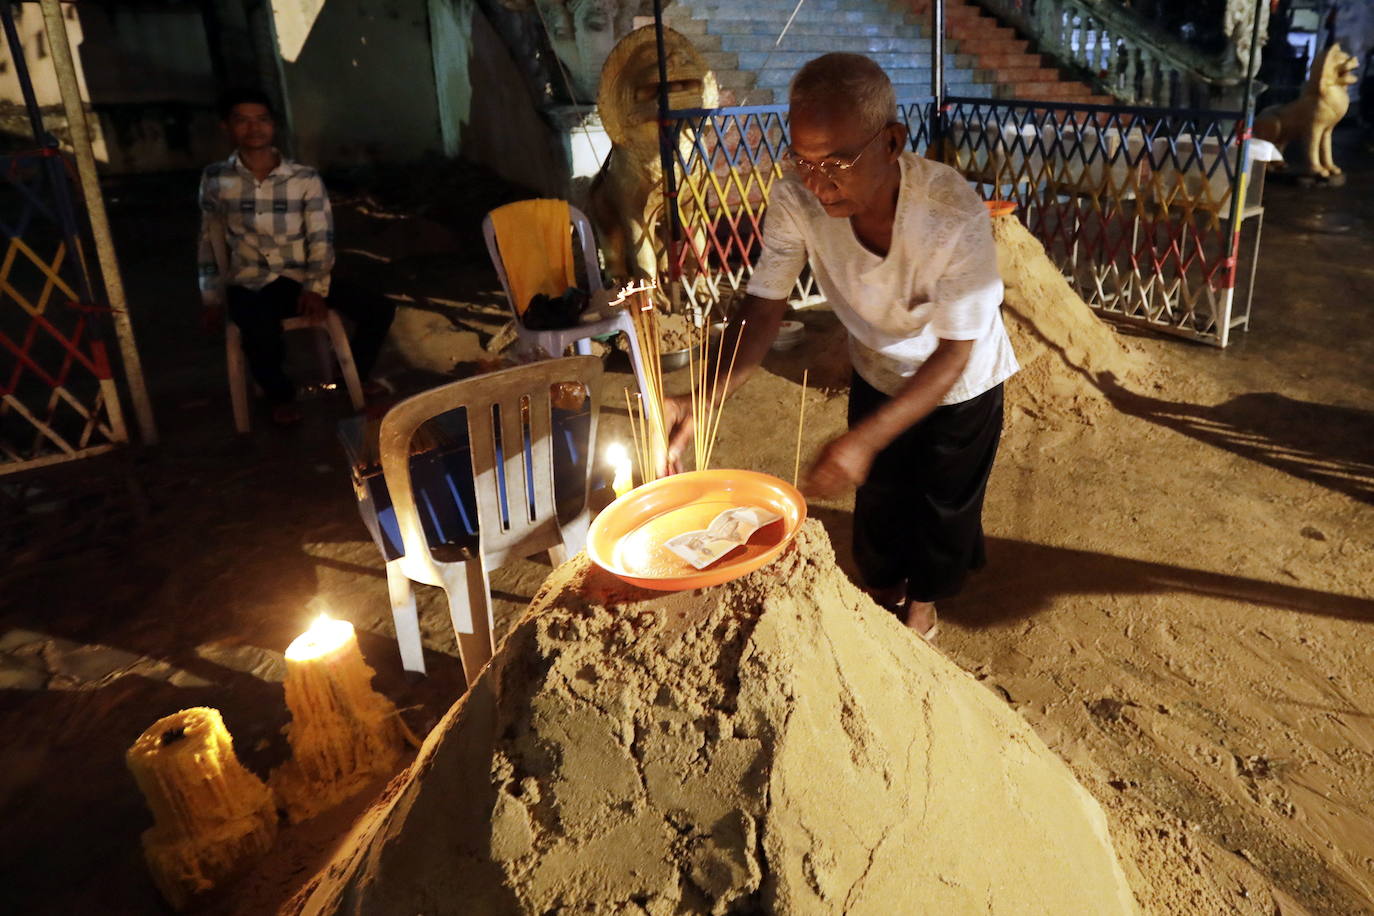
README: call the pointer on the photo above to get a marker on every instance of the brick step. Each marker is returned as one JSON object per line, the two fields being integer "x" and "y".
{"x": 1050, "y": 91}
{"x": 1000, "y": 61}
{"x": 981, "y": 46}
{"x": 1024, "y": 74}
{"x": 957, "y": 13}
{"x": 982, "y": 29}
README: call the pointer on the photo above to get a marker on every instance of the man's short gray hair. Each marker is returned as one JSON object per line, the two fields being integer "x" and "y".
{"x": 846, "y": 82}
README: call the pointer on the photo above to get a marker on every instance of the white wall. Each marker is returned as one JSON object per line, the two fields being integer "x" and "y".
{"x": 359, "y": 79}
{"x": 485, "y": 111}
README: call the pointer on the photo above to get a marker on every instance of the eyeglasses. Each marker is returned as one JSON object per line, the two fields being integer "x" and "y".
{"x": 832, "y": 169}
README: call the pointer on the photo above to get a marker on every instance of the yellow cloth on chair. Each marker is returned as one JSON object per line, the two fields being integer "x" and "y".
{"x": 535, "y": 241}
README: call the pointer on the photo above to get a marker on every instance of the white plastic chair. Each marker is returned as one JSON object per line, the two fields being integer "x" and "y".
{"x": 329, "y": 336}
{"x": 554, "y": 343}
{"x": 521, "y": 530}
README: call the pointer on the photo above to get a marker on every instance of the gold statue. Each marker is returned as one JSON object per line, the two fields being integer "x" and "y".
{"x": 1312, "y": 116}
{"x": 625, "y": 201}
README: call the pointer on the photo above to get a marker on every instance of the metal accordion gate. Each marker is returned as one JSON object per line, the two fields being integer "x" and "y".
{"x": 58, "y": 397}
{"x": 1144, "y": 209}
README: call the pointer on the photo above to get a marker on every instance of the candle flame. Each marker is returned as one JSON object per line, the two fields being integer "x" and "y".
{"x": 624, "y": 472}
{"x": 324, "y": 636}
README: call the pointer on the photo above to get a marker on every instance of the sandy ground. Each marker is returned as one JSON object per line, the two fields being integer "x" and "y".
{"x": 1179, "y": 594}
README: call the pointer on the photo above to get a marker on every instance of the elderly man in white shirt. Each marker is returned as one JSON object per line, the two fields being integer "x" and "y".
{"x": 902, "y": 249}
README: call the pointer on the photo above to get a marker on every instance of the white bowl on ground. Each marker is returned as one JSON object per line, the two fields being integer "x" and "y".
{"x": 789, "y": 335}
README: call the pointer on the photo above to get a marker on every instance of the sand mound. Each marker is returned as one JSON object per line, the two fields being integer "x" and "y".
{"x": 1062, "y": 345}
{"x": 777, "y": 744}
{"x": 675, "y": 332}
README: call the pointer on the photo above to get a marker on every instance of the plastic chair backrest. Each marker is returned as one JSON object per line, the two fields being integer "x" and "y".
{"x": 591, "y": 263}
{"x": 515, "y": 405}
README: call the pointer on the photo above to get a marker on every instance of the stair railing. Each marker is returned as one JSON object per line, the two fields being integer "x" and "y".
{"x": 1126, "y": 57}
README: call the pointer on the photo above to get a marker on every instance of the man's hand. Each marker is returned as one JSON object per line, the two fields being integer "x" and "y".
{"x": 212, "y": 319}
{"x": 678, "y": 421}
{"x": 846, "y": 461}
{"x": 843, "y": 464}
{"x": 312, "y": 307}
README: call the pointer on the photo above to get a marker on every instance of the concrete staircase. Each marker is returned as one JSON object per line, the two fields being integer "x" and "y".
{"x": 983, "y": 59}
{"x": 1002, "y": 57}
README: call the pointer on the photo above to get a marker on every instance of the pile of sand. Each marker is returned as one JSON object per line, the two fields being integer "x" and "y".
{"x": 776, "y": 744}
{"x": 675, "y": 332}
{"x": 1064, "y": 348}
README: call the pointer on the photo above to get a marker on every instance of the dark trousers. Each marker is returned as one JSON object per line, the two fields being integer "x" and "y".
{"x": 259, "y": 314}
{"x": 919, "y": 515}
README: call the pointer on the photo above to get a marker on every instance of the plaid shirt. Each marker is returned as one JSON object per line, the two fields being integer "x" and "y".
{"x": 252, "y": 232}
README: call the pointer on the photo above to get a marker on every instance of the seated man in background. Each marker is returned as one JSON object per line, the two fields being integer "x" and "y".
{"x": 267, "y": 250}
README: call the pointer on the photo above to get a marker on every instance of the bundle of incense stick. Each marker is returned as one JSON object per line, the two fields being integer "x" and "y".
{"x": 708, "y": 394}
{"x": 647, "y": 427}
{"x": 708, "y": 391}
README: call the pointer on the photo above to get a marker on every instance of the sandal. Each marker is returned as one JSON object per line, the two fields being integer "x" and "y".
{"x": 932, "y": 630}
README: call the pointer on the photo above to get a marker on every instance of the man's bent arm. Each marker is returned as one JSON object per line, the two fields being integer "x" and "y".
{"x": 922, "y": 393}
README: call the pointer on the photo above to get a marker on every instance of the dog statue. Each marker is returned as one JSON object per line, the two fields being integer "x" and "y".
{"x": 1312, "y": 116}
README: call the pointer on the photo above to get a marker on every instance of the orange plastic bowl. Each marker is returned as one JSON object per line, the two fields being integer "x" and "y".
{"x": 627, "y": 537}
{"x": 1000, "y": 207}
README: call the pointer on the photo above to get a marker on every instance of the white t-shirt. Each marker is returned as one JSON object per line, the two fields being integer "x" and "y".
{"x": 939, "y": 279}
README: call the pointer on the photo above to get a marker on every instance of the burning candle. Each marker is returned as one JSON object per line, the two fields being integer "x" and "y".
{"x": 620, "y": 463}
{"x": 343, "y": 734}
{"x": 326, "y": 635}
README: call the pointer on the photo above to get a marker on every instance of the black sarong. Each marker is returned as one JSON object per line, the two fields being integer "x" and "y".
{"x": 919, "y": 515}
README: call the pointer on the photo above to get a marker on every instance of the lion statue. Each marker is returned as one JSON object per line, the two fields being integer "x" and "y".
{"x": 1312, "y": 116}
{"x": 625, "y": 201}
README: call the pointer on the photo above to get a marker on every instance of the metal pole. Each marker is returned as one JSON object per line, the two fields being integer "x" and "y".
{"x": 937, "y": 76}
{"x": 21, "y": 71}
{"x": 666, "y": 143}
{"x": 65, "y": 67}
{"x": 1240, "y": 181}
